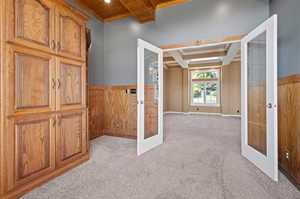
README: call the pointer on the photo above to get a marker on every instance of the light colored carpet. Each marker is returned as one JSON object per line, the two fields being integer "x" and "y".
{"x": 200, "y": 159}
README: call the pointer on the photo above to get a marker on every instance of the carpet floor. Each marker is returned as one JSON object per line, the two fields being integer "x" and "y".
{"x": 200, "y": 159}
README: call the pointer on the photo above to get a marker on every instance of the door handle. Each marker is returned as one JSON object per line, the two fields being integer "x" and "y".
{"x": 53, "y": 45}
{"x": 58, "y": 83}
{"x": 53, "y": 83}
{"x": 58, "y": 46}
{"x": 54, "y": 122}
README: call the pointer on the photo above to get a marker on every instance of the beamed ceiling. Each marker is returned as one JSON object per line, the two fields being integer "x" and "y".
{"x": 142, "y": 10}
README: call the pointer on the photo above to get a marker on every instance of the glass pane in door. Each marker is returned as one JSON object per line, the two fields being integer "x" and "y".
{"x": 151, "y": 93}
{"x": 256, "y": 82}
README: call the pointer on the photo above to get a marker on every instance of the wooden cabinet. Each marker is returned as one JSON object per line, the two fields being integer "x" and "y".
{"x": 47, "y": 26}
{"x": 31, "y": 76}
{"x": 71, "y": 76}
{"x": 32, "y": 23}
{"x": 71, "y": 136}
{"x": 31, "y": 148}
{"x": 70, "y": 34}
{"x": 44, "y": 122}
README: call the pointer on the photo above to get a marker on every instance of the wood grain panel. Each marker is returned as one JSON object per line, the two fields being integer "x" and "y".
{"x": 174, "y": 89}
{"x": 117, "y": 116}
{"x": 32, "y": 23}
{"x": 231, "y": 89}
{"x": 96, "y": 111}
{"x": 257, "y": 130}
{"x": 151, "y": 112}
{"x": 71, "y": 85}
{"x": 70, "y": 34}
{"x": 71, "y": 82}
{"x": 29, "y": 14}
{"x": 71, "y": 136}
{"x": 29, "y": 92}
{"x": 120, "y": 112}
{"x": 140, "y": 9}
{"x": 117, "y": 9}
{"x": 32, "y": 158}
{"x": 30, "y": 161}
{"x": 289, "y": 127}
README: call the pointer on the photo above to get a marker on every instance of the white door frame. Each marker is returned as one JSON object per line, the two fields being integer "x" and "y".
{"x": 144, "y": 145}
{"x": 267, "y": 163}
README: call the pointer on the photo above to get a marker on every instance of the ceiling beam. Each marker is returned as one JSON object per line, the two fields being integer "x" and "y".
{"x": 198, "y": 56}
{"x": 172, "y": 2}
{"x": 140, "y": 10}
{"x": 116, "y": 17}
{"x": 205, "y": 64}
{"x": 178, "y": 58}
{"x": 203, "y": 42}
{"x": 232, "y": 52}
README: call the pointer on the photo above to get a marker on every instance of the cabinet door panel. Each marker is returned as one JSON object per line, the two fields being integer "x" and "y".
{"x": 71, "y": 89}
{"x": 31, "y": 23}
{"x": 70, "y": 34}
{"x": 71, "y": 136}
{"x": 31, "y": 80}
{"x": 32, "y": 138}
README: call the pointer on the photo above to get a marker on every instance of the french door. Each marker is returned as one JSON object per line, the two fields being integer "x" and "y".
{"x": 259, "y": 97}
{"x": 150, "y": 96}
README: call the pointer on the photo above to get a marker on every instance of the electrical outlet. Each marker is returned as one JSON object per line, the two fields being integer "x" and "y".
{"x": 117, "y": 124}
{"x": 287, "y": 155}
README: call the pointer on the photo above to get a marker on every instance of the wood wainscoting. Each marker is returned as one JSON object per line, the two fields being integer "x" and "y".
{"x": 120, "y": 113}
{"x": 113, "y": 111}
{"x": 96, "y": 111}
{"x": 289, "y": 127}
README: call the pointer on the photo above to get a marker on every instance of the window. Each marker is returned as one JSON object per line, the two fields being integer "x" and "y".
{"x": 205, "y": 87}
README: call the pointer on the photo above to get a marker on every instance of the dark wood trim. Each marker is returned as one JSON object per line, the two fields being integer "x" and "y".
{"x": 289, "y": 79}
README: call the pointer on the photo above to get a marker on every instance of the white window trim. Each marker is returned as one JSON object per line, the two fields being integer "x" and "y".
{"x": 218, "y": 104}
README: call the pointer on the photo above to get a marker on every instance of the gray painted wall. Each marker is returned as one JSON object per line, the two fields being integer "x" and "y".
{"x": 96, "y": 53}
{"x": 288, "y": 35}
{"x": 200, "y": 19}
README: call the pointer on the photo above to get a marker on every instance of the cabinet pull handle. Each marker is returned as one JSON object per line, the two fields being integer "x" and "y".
{"x": 58, "y": 83}
{"x": 53, "y": 45}
{"x": 58, "y": 46}
{"x": 59, "y": 121}
{"x": 54, "y": 122}
{"x": 53, "y": 83}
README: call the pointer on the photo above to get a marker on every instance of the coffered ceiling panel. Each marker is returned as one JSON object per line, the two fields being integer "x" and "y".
{"x": 142, "y": 10}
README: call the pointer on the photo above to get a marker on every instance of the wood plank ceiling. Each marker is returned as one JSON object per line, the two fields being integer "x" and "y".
{"x": 142, "y": 10}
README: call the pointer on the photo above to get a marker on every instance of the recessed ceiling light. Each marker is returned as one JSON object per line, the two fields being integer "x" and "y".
{"x": 107, "y": 1}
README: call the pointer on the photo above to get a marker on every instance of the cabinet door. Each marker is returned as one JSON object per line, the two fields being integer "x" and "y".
{"x": 30, "y": 148}
{"x": 71, "y": 80}
{"x": 31, "y": 23}
{"x": 71, "y": 137}
{"x": 70, "y": 34}
{"x": 31, "y": 81}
